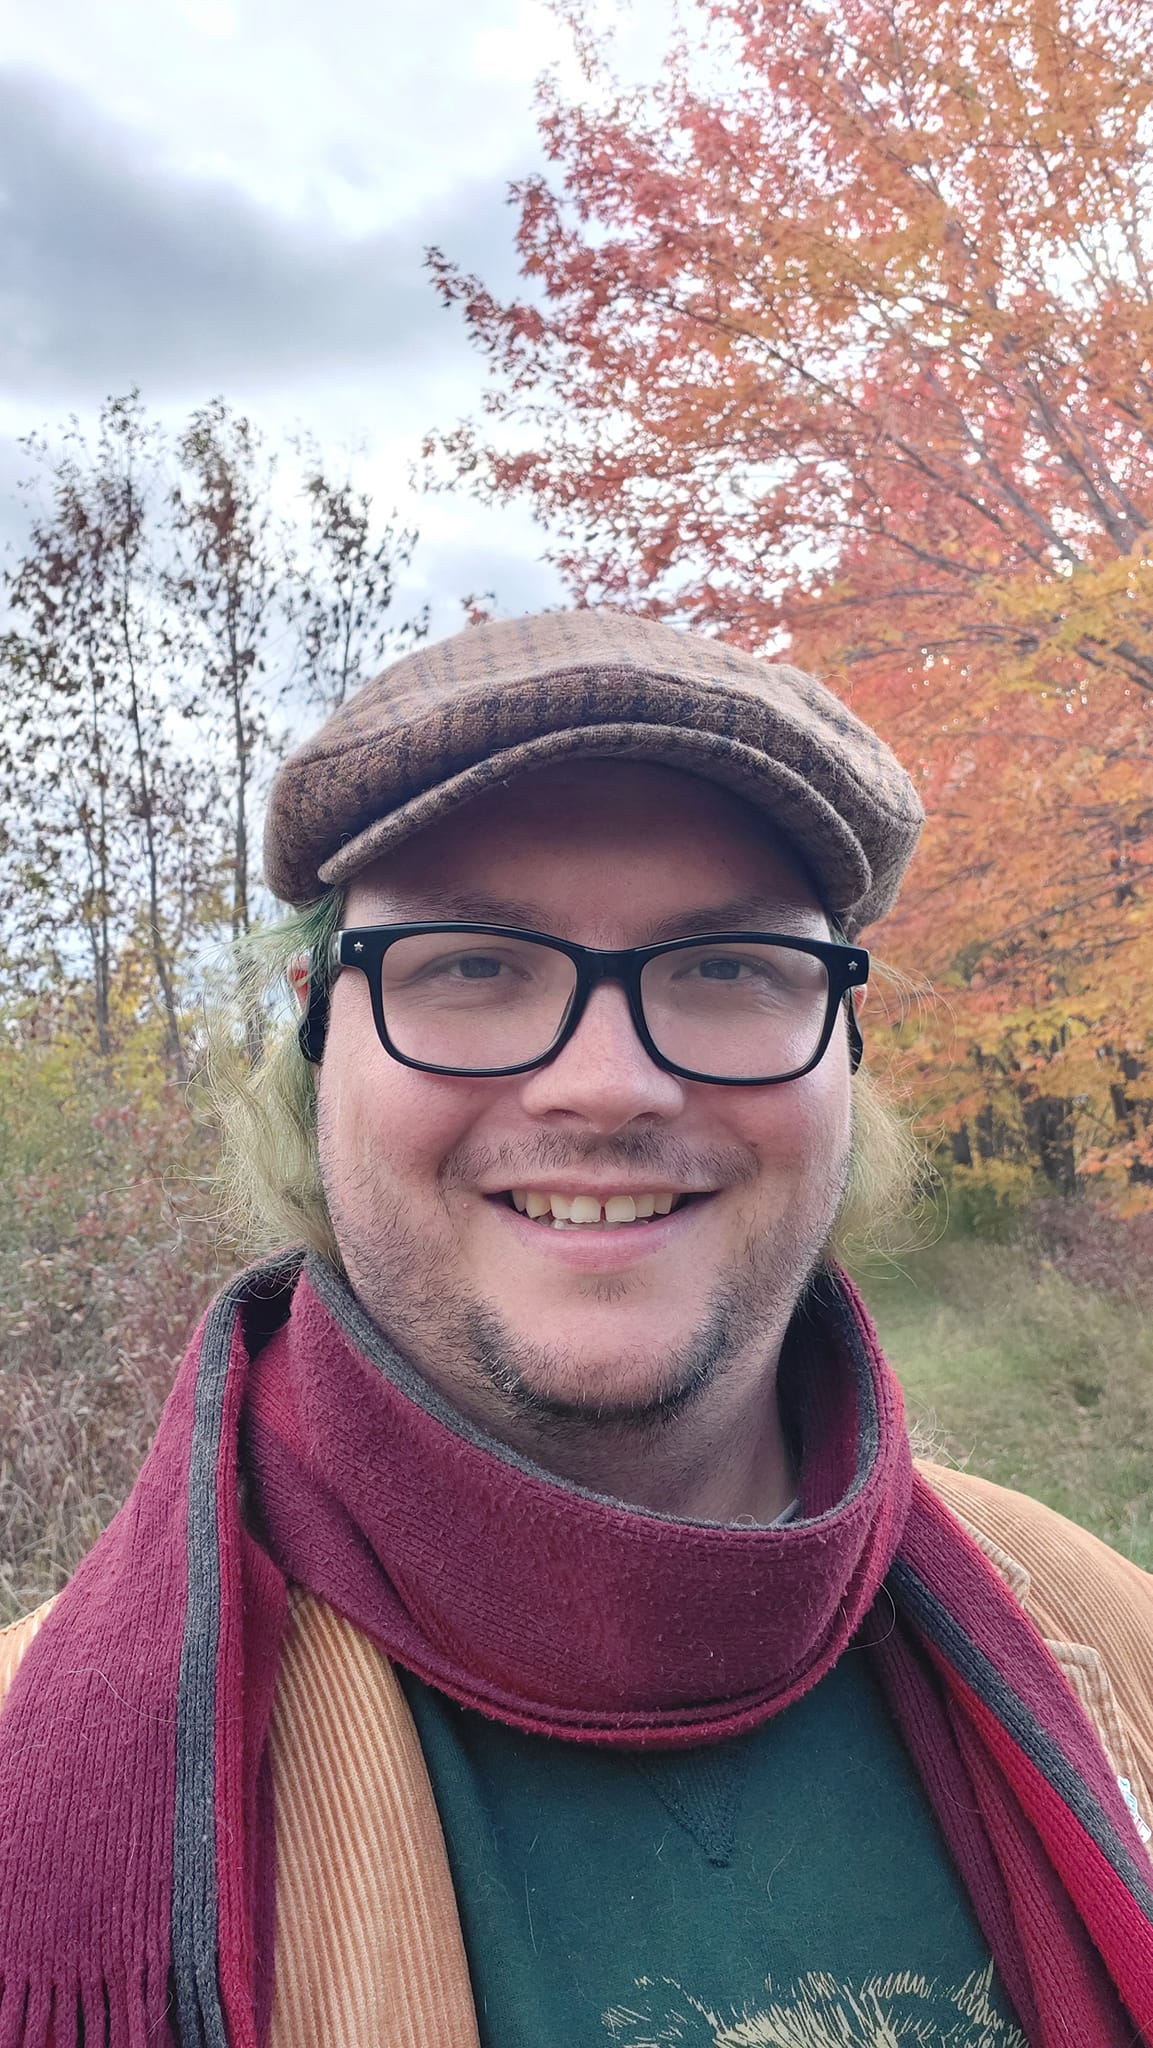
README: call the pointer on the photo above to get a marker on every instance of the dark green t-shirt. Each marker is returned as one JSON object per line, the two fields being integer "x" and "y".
{"x": 789, "y": 1889}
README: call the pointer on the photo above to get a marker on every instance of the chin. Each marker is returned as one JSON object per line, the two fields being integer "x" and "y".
{"x": 596, "y": 1385}
{"x": 620, "y": 1411}
{"x": 589, "y": 1387}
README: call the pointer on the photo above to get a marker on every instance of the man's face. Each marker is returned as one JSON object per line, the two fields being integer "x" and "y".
{"x": 617, "y": 1322}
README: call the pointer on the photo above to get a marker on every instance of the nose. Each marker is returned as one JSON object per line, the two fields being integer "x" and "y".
{"x": 603, "y": 1076}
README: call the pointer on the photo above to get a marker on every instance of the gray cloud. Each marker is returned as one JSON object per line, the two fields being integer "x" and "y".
{"x": 450, "y": 571}
{"x": 13, "y": 466}
{"x": 116, "y": 270}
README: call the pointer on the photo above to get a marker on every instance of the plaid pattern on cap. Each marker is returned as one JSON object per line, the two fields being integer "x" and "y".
{"x": 496, "y": 701}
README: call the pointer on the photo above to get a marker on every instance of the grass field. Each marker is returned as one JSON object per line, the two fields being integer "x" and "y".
{"x": 1019, "y": 1372}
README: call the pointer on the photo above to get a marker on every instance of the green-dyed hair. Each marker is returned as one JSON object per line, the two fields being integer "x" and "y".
{"x": 269, "y": 1178}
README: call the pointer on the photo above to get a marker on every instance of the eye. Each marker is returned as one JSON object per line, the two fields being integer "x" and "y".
{"x": 465, "y": 967}
{"x": 478, "y": 967}
{"x": 731, "y": 967}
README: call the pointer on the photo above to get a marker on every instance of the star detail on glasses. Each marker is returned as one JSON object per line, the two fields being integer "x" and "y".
{"x": 359, "y": 948}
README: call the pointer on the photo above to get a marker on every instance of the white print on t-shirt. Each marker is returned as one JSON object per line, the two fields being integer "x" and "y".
{"x": 903, "y": 2010}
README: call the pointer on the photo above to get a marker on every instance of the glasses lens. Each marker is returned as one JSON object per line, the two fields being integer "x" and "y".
{"x": 470, "y": 1001}
{"x": 737, "y": 1010}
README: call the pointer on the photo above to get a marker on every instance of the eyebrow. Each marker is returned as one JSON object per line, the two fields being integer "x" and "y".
{"x": 740, "y": 913}
{"x": 458, "y": 907}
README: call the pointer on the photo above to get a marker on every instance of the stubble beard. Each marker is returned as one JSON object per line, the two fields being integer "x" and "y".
{"x": 463, "y": 1346}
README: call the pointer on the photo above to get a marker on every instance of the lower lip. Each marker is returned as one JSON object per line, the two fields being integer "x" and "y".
{"x": 593, "y": 1247}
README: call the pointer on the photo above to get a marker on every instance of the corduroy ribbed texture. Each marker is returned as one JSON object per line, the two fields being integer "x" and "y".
{"x": 367, "y": 1934}
{"x": 1084, "y": 1596}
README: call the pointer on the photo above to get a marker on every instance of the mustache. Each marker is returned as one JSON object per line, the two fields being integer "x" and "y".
{"x": 663, "y": 1159}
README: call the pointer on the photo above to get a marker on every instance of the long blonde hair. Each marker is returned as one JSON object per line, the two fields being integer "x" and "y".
{"x": 269, "y": 1182}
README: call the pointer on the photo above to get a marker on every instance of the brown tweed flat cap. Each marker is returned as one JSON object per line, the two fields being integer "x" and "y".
{"x": 498, "y": 700}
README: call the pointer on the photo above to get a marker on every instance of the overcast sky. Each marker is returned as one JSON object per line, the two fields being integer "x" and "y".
{"x": 203, "y": 196}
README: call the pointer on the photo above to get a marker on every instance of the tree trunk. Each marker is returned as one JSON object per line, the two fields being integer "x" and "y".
{"x": 1050, "y": 1129}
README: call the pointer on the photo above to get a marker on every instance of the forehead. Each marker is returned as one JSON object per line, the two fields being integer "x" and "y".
{"x": 578, "y": 840}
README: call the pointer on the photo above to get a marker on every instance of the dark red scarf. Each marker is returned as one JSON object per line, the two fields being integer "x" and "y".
{"x": 135, "y": 1849}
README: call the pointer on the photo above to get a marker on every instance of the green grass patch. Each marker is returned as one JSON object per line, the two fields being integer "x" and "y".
{"x": 1017, "y": 1372}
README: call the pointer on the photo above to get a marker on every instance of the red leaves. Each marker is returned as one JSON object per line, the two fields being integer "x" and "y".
{"x": 840, "y": 337}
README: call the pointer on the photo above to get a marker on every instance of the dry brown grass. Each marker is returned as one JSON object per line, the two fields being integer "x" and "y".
{"x": 108, "y": 1255}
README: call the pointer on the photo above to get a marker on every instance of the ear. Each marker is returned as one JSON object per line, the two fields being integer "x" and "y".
{"x": 298, "y": 979}
{"x": 314, "y": 1003}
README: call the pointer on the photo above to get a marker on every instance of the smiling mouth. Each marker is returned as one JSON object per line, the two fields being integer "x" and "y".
{"x": 588, "y": 1212}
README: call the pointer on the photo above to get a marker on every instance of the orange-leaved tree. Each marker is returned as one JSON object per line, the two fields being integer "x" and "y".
{"x": 839, "y": 336}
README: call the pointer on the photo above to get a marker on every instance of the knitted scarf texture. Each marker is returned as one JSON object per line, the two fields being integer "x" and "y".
{"x": 137, "y": 1858}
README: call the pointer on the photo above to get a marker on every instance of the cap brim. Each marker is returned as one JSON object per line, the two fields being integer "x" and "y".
{"x": 829, "y": 849}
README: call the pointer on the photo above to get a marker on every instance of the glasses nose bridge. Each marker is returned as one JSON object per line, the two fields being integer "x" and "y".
{"x": 618, "y": 964}
{"x": 603, "y": 967}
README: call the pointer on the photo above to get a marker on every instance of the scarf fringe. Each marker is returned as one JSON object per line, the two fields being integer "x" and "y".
{"x": 48, "y": 2011}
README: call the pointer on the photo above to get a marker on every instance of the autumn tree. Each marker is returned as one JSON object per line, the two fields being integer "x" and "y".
{"x": 837, "y": 337}
{"x": 126, "y": 478}
{"x": 164, "y": 609}
{"x": 341, "y": 596}
{"x": 228, "y": 589}
{"x": 97, "y": 794}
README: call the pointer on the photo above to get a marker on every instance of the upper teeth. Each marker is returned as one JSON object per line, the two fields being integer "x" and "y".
{"x": 588, "y": 1209}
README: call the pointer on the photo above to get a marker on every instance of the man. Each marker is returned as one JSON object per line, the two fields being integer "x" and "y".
{"x": 528, "y": 1627}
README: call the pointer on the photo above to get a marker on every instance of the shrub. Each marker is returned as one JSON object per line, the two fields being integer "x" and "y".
{"x": 108, "y": 1255}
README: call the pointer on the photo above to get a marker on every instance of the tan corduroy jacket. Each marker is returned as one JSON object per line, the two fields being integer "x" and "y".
{"x": 368, "y": 1940}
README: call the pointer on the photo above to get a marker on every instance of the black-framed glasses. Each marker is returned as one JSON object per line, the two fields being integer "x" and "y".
{"x": 742, "y": 1009}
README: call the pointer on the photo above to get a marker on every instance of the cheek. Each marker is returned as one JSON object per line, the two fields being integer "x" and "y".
{"x": 384, "y": 1126}
{"x": 805, "y": 1130}
{"x": 363, "y": 1098}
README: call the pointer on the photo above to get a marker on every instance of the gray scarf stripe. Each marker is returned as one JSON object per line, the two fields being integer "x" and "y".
{"x": 194, "y": 1900}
